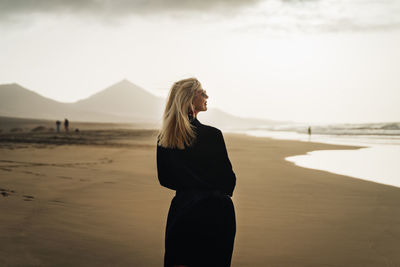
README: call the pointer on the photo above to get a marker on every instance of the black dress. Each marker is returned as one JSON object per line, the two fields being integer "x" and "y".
{"x": 201, "y": 223}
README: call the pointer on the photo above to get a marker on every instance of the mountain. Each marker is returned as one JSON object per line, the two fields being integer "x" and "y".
{"x": 17, "y": 101}
{"x": 124, "y": 99}
{"x": 214, "y": 116}
{"x": 123, "y": 102}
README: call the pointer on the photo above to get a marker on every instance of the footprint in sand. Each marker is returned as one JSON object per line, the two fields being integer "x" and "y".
{"x": 57, "y": 201}
{"x": 106, "y": 160}
{"x": 34, "y": 173}
{"x": 6, "y": 192}
{"x": 28, "y": 198}
{"x": 65, "y": 177}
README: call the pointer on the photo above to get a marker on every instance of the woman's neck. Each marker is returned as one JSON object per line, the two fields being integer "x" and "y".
{"x": 193, "y": 113}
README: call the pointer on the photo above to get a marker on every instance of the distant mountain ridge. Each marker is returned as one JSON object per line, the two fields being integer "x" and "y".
{"x": 123, "y": 102}
{"x": 17, "y": 101}
{"x": 124, "y": 99}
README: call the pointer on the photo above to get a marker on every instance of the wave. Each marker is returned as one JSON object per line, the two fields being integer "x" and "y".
{"x": 383, "y": 129}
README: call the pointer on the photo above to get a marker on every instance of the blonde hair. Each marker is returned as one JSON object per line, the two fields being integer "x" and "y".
{"x": 176, "y": 130}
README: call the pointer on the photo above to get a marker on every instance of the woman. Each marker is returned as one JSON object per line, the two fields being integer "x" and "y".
{"x": 192, "y": 160}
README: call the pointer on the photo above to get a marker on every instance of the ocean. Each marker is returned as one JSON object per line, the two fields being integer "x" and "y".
{"x": 378, "y": 160}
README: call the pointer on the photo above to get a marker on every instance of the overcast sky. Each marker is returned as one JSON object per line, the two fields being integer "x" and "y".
{"x": 309, "y": 61}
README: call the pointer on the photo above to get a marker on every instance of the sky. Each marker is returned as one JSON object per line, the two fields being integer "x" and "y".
{"x": 318, "y": 61}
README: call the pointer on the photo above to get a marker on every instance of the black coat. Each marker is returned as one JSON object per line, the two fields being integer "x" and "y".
{"x": 201, "y": 223}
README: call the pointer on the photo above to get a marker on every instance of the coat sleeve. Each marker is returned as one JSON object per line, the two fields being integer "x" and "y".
{"x": 175, "y": 175}
{"x": 224, "y": 175}
{"x": 229, "y": 177}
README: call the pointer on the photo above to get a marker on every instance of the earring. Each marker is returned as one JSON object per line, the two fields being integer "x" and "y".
{"x": 190, "y": 114}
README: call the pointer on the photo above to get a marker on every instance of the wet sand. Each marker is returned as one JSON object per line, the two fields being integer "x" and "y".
{"x": 93, "y": 199}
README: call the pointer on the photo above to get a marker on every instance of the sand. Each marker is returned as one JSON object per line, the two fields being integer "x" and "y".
{"x": 93, "y": 199}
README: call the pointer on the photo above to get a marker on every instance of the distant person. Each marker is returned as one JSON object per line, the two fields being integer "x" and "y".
{"x": 192, "y": 160}
{"x": 309, "y": 130}
{"x": 58, "y": 124}
{"x": 66, "y": 125}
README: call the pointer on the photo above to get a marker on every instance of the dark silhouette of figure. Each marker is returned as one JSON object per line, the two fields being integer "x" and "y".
{"x": 309, "y": 130}
{"x": 58, "y": 124}
{"x": 201, "y": 221}
{"x": 201, "y": 224}
{"x": 66, "y": 125}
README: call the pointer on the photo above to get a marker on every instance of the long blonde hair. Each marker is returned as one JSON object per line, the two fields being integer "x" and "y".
{"x": 176, "y": 130}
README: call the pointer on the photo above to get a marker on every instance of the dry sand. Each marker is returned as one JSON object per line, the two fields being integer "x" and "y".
{"x": 97, "y": 202}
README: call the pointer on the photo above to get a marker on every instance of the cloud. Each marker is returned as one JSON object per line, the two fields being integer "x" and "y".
{"x": 17, "y": 8}
{"x": 278, "y": 16}
{"x": 288, "y": 16}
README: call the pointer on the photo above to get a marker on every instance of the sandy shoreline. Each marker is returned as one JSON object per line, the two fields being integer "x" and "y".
{"x": 100, "y": 204}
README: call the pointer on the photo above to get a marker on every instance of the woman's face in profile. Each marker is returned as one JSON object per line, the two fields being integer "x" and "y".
{"x": 200, "y": 101}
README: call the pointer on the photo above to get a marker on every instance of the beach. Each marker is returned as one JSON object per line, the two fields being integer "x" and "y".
{"x": 93, "y": 199}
